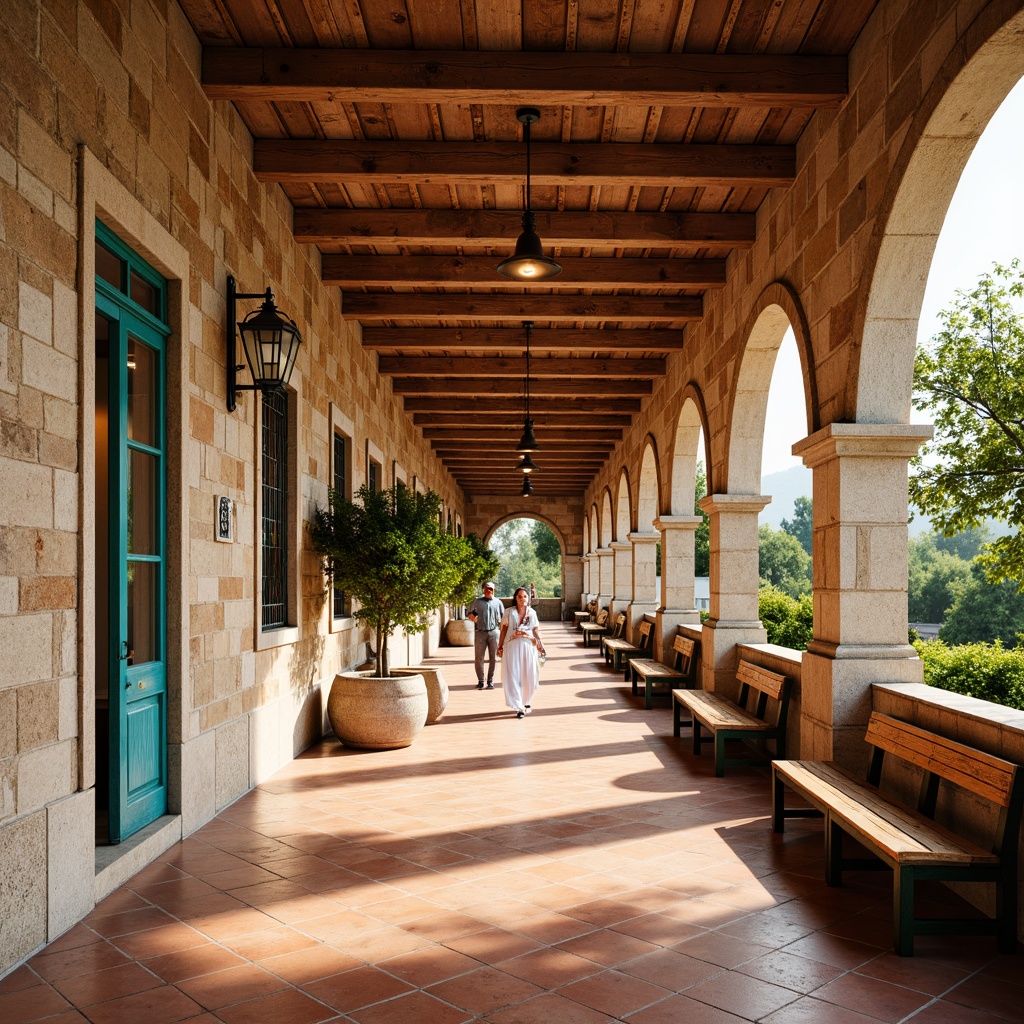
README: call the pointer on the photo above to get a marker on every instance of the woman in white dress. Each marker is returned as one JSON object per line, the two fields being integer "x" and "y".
{"x": 519, "y": 643}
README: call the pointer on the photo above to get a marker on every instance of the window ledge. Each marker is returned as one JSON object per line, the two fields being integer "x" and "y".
{"x": 343, "y": 622}
{"x": 268, "y": 638}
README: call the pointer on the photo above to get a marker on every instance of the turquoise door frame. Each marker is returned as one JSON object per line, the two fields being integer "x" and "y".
{"x": 137, "y": 502}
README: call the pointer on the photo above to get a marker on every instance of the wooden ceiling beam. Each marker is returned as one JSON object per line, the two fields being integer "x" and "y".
{"x": 533, "y": 306}
{"x": 517, "y": 78}
{"x": 630, "y": 165}
{"x": 472, "y": 406}
{"x": 443, "y": 449}
{"x": 466, "y": 339}
{"x": 514, "y": 387}
{"x": 501, "y": 227}
{"x": 485, "y": 432}
{"x": 565, "y": 422}
{"x": 470, "y": 271}
{"x": 463, "y": 366}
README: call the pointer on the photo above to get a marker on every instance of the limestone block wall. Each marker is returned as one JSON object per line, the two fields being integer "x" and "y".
{"x": 102, "y": 115}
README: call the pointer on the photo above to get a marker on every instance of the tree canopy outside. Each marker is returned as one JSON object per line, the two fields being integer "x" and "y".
{"x": 782, "y": 561}
{"x": 932, "y": 573}
{"x": 802, "y": 523}
{"x": 983, "y": 612}
{"x": 516, "y": 544}
{"x": 702, "y": 535}
{"x": 970, "y": 379}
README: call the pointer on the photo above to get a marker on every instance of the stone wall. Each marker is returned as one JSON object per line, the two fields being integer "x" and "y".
{"x": 102, "y": 115}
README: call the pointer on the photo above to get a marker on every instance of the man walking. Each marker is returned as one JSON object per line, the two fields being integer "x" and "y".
{"x": 486, "y": 613}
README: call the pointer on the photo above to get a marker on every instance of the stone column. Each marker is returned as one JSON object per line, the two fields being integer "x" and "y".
{"x": 573, "y": 569}
{"x": 733, "y": 618}
{"x": 677, "y": 565}
{"x": 645, "y": 580}
{"x": 593, "y": 575}
{"x": 605, "y": 583}
{"x": 622, "y": 576}
{"x": 860, "y": 580}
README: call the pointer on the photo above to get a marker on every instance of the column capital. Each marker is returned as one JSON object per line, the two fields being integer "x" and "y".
{"x": 621, "y": 545}
{"x": 601, "y": 551}
{"x": 716, "y": 503}
{"x": 644, "y": 538}
{"x": 862, "y": 440}
{"x": 678, "y": 522}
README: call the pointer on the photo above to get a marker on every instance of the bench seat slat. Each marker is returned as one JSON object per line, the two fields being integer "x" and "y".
{"x": 718, "y": 712}
{"x": 652, "y": 667}
{"x": 904, "y": 835}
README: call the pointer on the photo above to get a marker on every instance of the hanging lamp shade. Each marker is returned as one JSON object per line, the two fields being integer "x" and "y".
{"x": 528, "y": 442}
{"x": 528, "y": 262}
{"x": 527, "y": 488}
{"x": 526, "y": 464}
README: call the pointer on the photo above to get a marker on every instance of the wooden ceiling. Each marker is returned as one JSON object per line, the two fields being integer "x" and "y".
{"x": 391, "y": 126}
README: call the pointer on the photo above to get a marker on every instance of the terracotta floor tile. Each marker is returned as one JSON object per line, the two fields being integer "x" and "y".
{"x": 743, "y": 995}
{"x": 358, "y": 987}
{"x": 669, "y": 969}
{"x": 163, "y": 1005}
{"x": 484, "y": 990}
{"x": 97, "y": 956}
{"x": 808, "y": 1010}
{"x": 833, "y": 950}
{"x": 679, "y": 1008}
{"x": 549, "y": 968}
{"x": 607, "y": 947}
{"x": 129, "y": 921}
{"x": 235, "y": 985}
{"x": 549, "y": 928}
{"x": 31, "y": 1004}
{"x": 191, "y": 963}
{"x": 19, "y": 978}
{"x": 614, "y": 993}
{"x": 99, "y": 986}
{"x": 415, "y": 1008}
{"x": 305, "y": 965}
{"x": 877, "y": 998}
{"x": 268, "y": 942}
{"x": 789, "y": 971}
{"x": 660, "y": 929}
{"x": 428, "y": 966}
{"x": 287, "y": 1007}
{"x": 549, "y": 1009}
{"x": 446, "y": 925}
{"x": 167, "y": 938}
{"x": 917, "y": 973}
{"x": 944, "y": 1012}
{"x": 723, "y": 950}
{"x": 989, "y": 995}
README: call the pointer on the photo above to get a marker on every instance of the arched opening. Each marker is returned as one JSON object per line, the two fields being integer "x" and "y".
{"x": 530, "y": 549}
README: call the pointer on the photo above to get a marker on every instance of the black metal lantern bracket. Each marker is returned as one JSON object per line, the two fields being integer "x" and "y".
{"x": 270, "y": 341}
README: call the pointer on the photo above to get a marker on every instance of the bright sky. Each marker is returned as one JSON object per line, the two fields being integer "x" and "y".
{"x": 984, "y": 225}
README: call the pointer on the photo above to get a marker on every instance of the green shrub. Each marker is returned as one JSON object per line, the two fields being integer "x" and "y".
{"x": 788, "y": 620}
{"x": 987, "y": 671}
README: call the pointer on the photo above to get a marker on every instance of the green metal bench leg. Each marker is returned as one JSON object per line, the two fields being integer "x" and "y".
{"x": 778, "y": 804}
{"x": 833, "y": 853}
{"x": 903, "y": 911}
{"x": 675, "y": 718}
{"x": 1006, "y": 913}
{"x": 719, "y": 754}
{"x": 648, "y": 693}
{"x": 696, "y": 732}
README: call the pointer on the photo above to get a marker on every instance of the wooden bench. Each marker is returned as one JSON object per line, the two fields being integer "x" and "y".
{"x": 907, "y": 839}
{"x": 595, "y": 629}
{"x": 652, "y": 671}
{"x": 618, "y": 651}
{"x": 729, "y": 720}
{"x": 616, "y": 634}
{"x": 587, "y": 615}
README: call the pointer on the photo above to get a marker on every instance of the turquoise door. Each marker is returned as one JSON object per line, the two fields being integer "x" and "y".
{"x": 132, "y": 335}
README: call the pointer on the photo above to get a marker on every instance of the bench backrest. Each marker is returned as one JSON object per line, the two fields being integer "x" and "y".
{"x": 646, "y": 635}
{"x": 985, "y": 775}
{"x": 683, "y": 650}
{"x": 620, "y": 624}
{"x": 766, "y": 684}
{"x": 989, "y": 776}
{"x": 602, "y": 617}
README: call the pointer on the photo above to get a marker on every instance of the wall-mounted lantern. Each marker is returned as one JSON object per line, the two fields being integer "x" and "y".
{"x": 270, "y": 341}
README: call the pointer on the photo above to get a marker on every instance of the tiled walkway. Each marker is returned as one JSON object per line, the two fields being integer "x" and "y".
{"x": 575, "y": 867}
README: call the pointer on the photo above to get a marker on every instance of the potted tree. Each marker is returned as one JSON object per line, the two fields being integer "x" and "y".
{"x": 479, "y": 564}
{"x": 387, "y": 551}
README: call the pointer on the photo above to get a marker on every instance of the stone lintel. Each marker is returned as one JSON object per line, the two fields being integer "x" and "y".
{"x": 621, "y": 545}
{"x": 862, "y": 440}
{"x": 643, "y": 538}
{"x": 678, "y": 522}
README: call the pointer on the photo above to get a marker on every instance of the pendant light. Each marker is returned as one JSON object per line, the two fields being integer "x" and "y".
{"x": 528, "y": 263}
{"x": 527, "y": 488}
{"x": 526, "y": 464}
{"x": 528, "y": 442}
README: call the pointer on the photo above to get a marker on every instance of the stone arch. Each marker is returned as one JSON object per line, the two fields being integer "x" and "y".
{"x": 549, "y": 523}
{"x": 977, "y": 76}
{"x": 692, "y": 421}
{"x": 622, "y": 507}
{"x": 649, "y": 491}
{"x": 777, "y": 309}
{"x": 594, "y": 535}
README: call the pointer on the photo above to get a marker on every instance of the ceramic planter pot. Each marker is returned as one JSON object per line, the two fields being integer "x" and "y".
{"x": 377, "y": 714}
{"x": 460, "y": 632}
{"x": 437, "y": 689}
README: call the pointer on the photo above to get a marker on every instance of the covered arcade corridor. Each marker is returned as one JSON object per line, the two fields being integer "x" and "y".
{"x": 577, "y": 867}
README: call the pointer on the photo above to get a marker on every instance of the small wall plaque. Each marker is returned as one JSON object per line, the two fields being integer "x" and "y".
{"x": 224, "y": 509}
